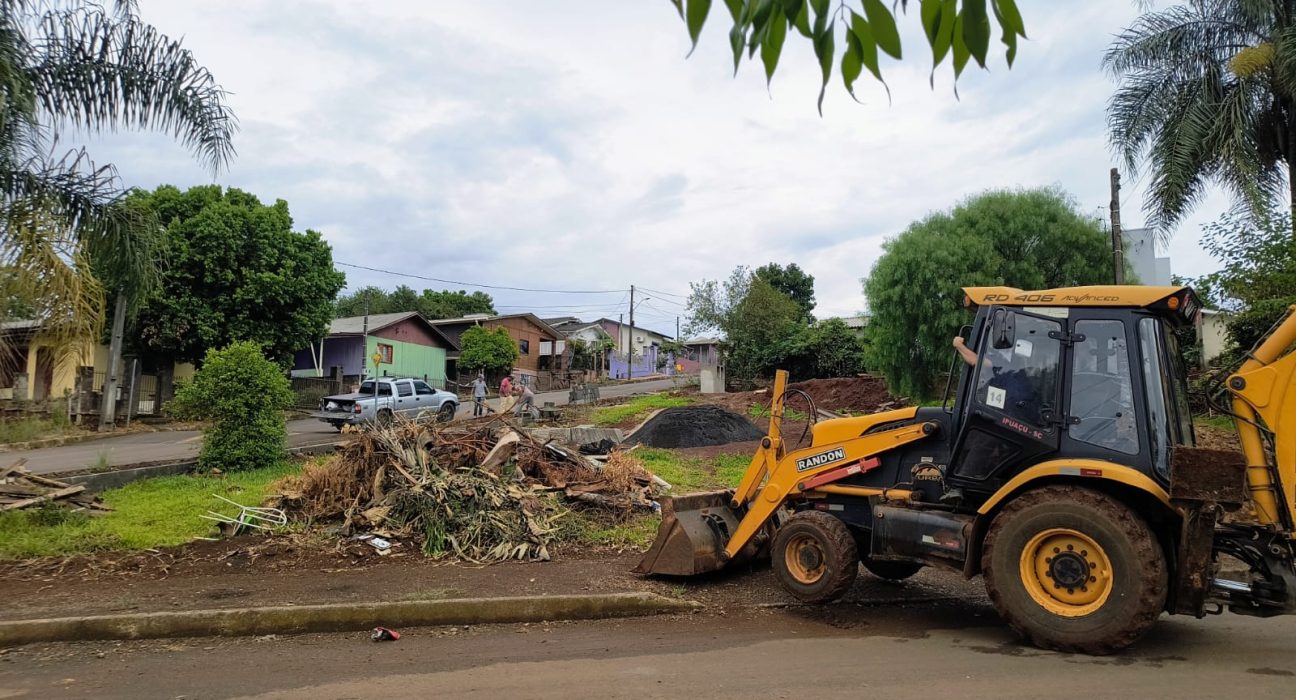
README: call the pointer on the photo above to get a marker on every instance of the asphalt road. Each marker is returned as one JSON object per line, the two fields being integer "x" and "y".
{"x": 175, "y": 445}
{"x": 939, "y": 649}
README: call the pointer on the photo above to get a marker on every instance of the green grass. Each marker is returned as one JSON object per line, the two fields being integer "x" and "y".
{"x": 589, "y": 529}
{"x": 1217, "y": 422}
{"x": 32, "y": 428}
{"x": 685, "y": 474}
{"x": 636, "y": 408}
{"x": 159, "y": 512}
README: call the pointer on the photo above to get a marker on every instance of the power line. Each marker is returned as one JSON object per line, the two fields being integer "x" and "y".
{"x": 474, "y": 284}
{"x": 669, "y": 301}
{"x": 669, "y": 294}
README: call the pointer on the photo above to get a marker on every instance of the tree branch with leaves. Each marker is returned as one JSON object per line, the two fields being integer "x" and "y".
{"x": 956, "y": 29}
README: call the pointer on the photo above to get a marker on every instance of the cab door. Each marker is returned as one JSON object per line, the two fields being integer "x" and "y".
{"x": 406, "y": 401}
{"x": 1011, "y": 416}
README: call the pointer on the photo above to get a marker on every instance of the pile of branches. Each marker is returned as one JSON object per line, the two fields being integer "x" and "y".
{"x": 483, "y": 492}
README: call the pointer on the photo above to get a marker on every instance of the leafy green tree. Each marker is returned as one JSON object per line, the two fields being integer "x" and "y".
{"x": 403, "y": 298}
{"x": 838, "y": 350}
{"x": 489, "y": 350}
{"x": 792, "y": 281}
{"x": 1029, "y": 239}
{"x": 960, "y": 29}
{"x": 244, "y": 395}
{"x": 1257, "y": 283}
{"x": 365, "y": 300}
{"x": 1206, "y": 95}
{"x": 759, "y": 323}
{"x": 237, "y": 271}
{"x": 430, "y": 303}
{"x": 454, "y": 304}
{"x": 72, "y": 69}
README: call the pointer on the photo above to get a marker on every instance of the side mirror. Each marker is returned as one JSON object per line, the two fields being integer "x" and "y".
{"x": 1002, "y": 331}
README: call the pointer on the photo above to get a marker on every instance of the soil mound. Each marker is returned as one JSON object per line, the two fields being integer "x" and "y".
{"x": 850, "y": 394}
{"x": 695, "y": 426}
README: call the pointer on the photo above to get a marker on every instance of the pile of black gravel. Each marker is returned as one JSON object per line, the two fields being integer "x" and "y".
{"x": 695, "y": 426}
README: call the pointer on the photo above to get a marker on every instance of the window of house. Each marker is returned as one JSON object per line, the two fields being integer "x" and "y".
{"x": 524, "y": 346}
{"x": 387, "y": 352}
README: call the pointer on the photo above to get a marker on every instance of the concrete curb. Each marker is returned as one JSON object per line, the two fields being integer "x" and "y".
{"x": 345, "y": 617}
{"x": 120, "y": 476}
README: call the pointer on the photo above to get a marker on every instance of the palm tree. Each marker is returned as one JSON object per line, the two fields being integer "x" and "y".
{"x": 1206, "y": 95}
{"x": 66, "y": 238}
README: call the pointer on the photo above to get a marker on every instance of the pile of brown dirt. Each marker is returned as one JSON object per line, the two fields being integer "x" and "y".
{"x": 848, "y": 394}
{"x": 694, "y": 426}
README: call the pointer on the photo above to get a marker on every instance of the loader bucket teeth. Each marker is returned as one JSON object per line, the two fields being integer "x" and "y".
{"x": 692, "y": 535}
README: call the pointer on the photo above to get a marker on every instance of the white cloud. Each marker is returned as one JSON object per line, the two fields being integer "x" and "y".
{"x": 571, "y": 145}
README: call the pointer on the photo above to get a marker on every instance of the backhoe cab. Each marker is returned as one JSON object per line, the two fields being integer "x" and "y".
{"x": 1064, "y": 471}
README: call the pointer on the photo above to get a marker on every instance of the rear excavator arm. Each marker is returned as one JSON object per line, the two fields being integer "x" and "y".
{"x": 1264, "y": 405}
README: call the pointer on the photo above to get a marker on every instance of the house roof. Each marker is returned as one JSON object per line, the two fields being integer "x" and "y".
{"x": 570, "y": 327}
{"x": 637, "y": 327}
{"x": 850, "y": 321}
{"x": 702, "y": 341}
{"x": 355, "y": 325}
{"x": 482, "y": 318}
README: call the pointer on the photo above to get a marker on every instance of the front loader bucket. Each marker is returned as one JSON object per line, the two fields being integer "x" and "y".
{"x": 692, "y": 536}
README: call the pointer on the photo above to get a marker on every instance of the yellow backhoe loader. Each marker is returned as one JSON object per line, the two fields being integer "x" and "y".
{"x": 1064, "y": 471}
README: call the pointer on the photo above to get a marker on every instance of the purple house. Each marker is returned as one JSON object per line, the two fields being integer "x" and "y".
{"x": 647, "y": 357}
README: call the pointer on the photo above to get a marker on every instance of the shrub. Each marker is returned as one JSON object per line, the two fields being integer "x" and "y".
{"x": 244, "y": 395}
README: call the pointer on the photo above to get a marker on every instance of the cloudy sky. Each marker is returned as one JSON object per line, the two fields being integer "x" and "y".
{"x": 568, "y": 145}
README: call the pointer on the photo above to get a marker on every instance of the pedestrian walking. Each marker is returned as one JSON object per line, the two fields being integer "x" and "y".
{"x": 479, "y": 396}
{"x": 506, "y": 392}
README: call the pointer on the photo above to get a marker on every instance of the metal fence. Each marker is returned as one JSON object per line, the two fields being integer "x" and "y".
{"x": 144, "y": 397}
{"x": 309, "y": 390}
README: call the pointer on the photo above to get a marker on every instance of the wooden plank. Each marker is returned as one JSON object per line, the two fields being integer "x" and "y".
{"x": 16, "y": 466}
{"x": 21, "y": 490}
{"x": 52, "y": 495}
{"x": 38, "y": 479}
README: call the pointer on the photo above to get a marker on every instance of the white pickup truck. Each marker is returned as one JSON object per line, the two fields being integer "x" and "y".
{"x": 391, "y": 396}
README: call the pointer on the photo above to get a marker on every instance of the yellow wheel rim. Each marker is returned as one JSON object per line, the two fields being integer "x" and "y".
{"x": 1066, "y": 572}
{"x": 805, "y": 559}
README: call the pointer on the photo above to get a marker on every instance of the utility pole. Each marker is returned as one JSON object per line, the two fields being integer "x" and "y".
{"x": 630, "y": 339}
{"x": 1118, "y": 242}
{"x": 364, "y": 346}
{"x": 108, "y": 408}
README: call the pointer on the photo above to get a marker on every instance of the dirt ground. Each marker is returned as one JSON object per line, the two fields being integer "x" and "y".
{"x": 254, "y": 571}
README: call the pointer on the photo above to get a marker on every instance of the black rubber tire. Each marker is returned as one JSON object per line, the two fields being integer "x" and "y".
{"x": 891, "y": 570}
{"x": 446, "y": 413}
{"x": 338, "y": 426}
{"x": 1139, "y": 573}
{"x": 385, "y": 418}
{"x": 834, "y": 539}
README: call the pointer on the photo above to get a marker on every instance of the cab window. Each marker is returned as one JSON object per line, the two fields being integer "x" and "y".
{"x": 1102, "y": 396}
{"x": 405, "y": 388}
{"x": 1165, "y": 428}
{"x": 422, "y": 389}
{"x": 1021, "y": 381}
